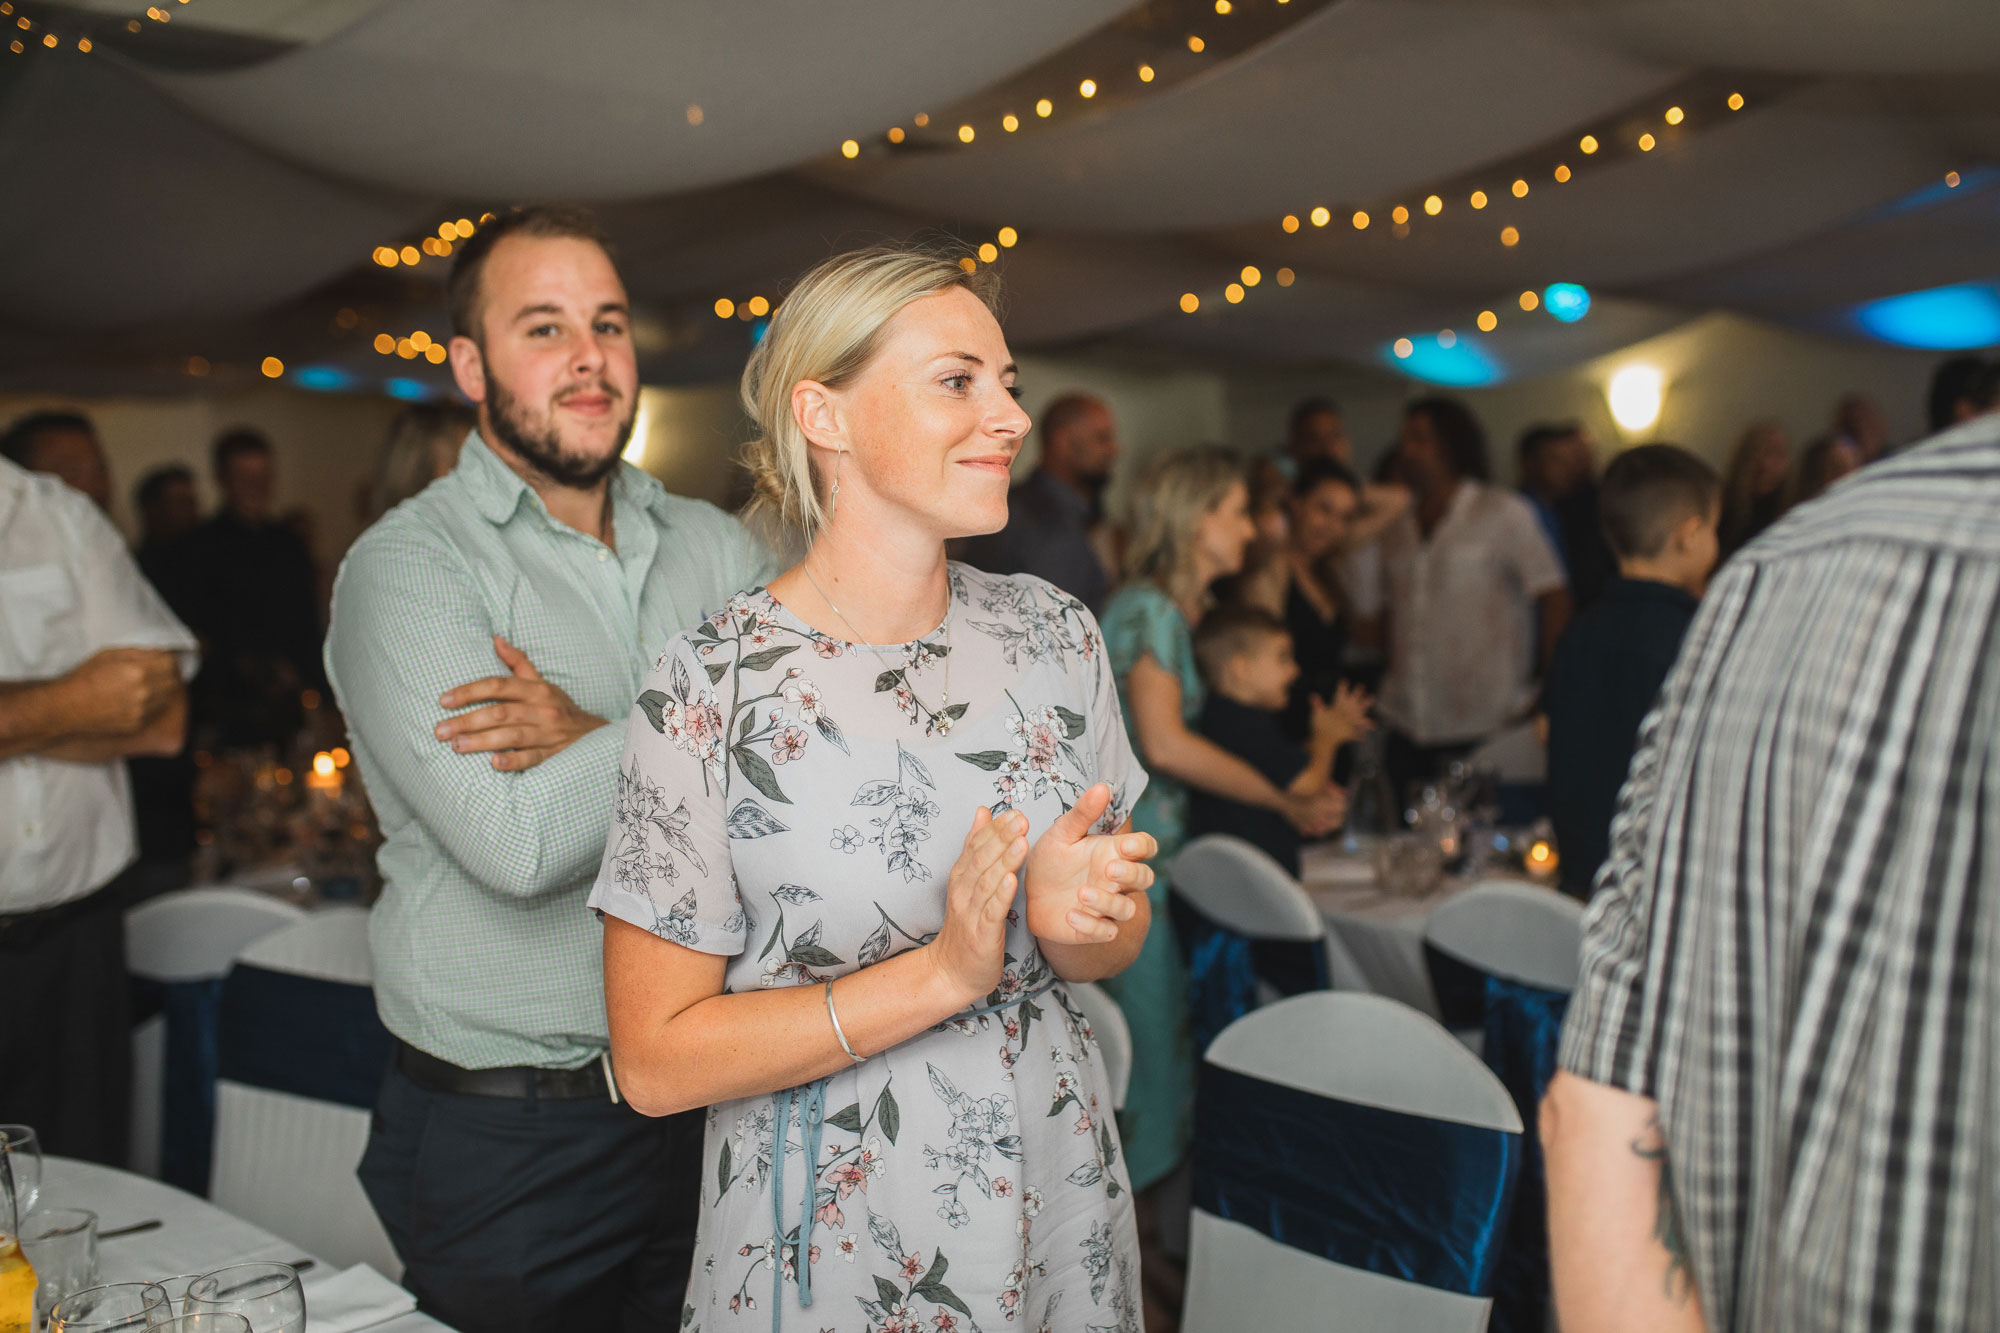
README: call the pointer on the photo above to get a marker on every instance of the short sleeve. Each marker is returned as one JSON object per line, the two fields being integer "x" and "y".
{"x": 1104, "y": 726}
{"x": 666, "y": 866}
{"x": 120, "y": 608}
{"x": 1142, "y": 622}
{"x": 1361, "y": 579}
{"x": 1534, "y": 559}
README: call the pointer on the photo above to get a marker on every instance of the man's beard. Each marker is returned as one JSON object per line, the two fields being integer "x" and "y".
{"x": 543, "y": 451}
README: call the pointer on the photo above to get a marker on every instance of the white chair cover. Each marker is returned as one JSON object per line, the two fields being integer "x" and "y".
{"x": 1517, "y": 754}
{"x": 1522, "y": 932}
{"x": 189, "y": 935}
{"x": 1359, "y": 1048}
{"x": 286, "y": 1162}
{"x": 1238, "y": 886}
{"x": 1114, "y": 1035}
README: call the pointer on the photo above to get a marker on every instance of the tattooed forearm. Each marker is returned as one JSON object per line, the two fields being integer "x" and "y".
{"x": 1651, "y": 1146}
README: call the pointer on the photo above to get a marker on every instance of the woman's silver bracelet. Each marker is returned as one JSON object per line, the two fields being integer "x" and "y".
{"x": 858, "y": 1059}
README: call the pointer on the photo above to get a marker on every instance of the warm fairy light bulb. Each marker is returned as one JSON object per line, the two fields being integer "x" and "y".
{"x": 1951, "y": 180}
{"x": 435, "y": 354}
{"x": 1736, "y": 101}
{"x": 1404, "y": 347}
{"x": 1588, "y": 143}
{"x": 1044, "y": 107}
{"x": 758, "y": 307}
{"x": 849, "y": 148}
{"x": 1145, "y": 73}
{"x": 1291, "y": 222}
{"x": 1399, "y": 215}
{"x": 1562, "y": 173}
{"x": 988, "y": 253}
{"x": 1233, "y": 293}
{"x": 1088, "y": 88}
{"x": 1478, "y": 199}
{"x": 409, "y": 254}
{"x": 1646, "y": 142}
{"x": 1488, "y": 321}
{"x": 1433, "y": 205}
{"x": 1520, "y": 189}
{"x": 1190, "y": 302}
{"x": 1360, "y": 220}
{"x": 1251, "y": 275}
{"x": 385, "y": 343}
{"x": 1447, "y": 339}
{"x": 1010, "y": 122}
{"x": 272, "y": 367}
{"x": 1286, "y": 277}
{"x": 965, "y": 134}
{"x": 1008, "y": 238}
{"x": 1321, "y": 216}
{"x": 1530, "y": 299}
{"x": 724, "y": 307}
{"x": 1675, "y": 115}
{"x": 1197, "y": 45}
{"x": 1510, "y": 237}
{"x": 896, "y": 134}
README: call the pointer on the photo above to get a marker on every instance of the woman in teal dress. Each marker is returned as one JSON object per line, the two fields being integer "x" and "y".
{"x": 1190, "y": 525}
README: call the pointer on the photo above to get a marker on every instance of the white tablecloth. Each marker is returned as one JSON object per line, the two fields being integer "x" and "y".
{"x": 196, "y": 1236}
{"x": 1375, "y": 939}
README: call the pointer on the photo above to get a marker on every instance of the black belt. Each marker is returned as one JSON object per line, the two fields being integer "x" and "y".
{"x": 23, "y": 931}
{"x": 521, "y": 1082}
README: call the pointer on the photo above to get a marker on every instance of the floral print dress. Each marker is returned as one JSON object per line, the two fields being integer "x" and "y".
{"x": 796, "y": 802}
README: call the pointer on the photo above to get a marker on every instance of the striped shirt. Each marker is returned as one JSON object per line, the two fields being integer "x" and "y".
{"x": 1795, "y": 947}
{"x": 485, "y": 954}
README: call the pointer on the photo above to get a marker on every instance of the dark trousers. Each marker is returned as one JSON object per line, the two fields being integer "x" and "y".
{"x": 1408, "y": 763}
{"x": 66, "y": 1038}
{"x": 536, "y": 1215}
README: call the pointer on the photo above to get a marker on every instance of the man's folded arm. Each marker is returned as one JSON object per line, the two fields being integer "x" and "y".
{"x": 407, "y": 626}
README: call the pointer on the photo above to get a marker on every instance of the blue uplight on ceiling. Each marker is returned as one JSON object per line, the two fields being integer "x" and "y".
{"x": 410, "y": 391}
{"x": 1461, "y": 363}
{"x": 1566, "y": 301}
{"x": 1964, "y": 315}
{"x": 323, "y": 379}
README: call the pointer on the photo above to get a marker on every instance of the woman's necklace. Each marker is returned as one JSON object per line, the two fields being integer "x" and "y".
{"x": 941, "y": 717}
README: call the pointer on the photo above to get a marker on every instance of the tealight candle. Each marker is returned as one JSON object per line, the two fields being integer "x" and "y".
{"x": 1541, "y": 859}
{"x": 324, "y": 775}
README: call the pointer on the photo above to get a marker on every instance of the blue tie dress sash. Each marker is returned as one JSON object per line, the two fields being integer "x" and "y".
{"x": 1523, "y": 1033}
{"x": 807, "y": 1103}
{"x": 191, "y": 1011}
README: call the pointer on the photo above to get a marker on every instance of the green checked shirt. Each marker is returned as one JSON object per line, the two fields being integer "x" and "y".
{"x": 485, "y": 954}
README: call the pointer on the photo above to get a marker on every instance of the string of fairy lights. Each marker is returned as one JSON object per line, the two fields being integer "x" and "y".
{"x": 31, "y": 36}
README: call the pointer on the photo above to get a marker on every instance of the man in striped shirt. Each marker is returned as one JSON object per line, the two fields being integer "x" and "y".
{"x": 1780, "y": 1105}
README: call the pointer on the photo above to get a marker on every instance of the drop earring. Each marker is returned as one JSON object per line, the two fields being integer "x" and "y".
{"x": 833, "y": 500}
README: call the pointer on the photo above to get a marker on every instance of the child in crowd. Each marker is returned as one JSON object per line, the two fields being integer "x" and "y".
{"x": 1245, "y": 654}
{"x": 1659, "y": 506}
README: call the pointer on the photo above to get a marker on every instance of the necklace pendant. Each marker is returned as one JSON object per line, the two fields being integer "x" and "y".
{"x": 944, "y": 724}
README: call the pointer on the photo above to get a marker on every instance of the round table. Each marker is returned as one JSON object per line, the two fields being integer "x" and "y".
{"x": 195, "y": 1237}
{"x": 1375, "y": 939}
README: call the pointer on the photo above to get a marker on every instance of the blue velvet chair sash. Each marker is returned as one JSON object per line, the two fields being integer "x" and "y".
{"x": 187, "y": 1086}
{"x": 304, "y": 1035}
{"x": 1224, "y": 968}
{"x": 1402, "y": 1195}
{"x": 1523, "y": 1034}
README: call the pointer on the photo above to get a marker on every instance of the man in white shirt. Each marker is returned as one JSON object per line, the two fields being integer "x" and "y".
{"x": 1473, "y": 594}
{"x": 92, "y": 666}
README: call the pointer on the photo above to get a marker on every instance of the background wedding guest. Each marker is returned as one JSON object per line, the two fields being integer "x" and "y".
{"x": 251, "y": 596}
{"x": 1559, "y": 481}
{"x": 1776, "y": 1108}
{"x": 518, "y": 1194}
{"x": 1660, "y": 507}
{"x": 1475, "y": 597}
{"x": 63, "y": 445}
{"x": 1190, "y": 525}
{"x": 1860, "y": 419}
{"x": 1753, "y": 485}
{"x": 1055, "y": 517}
{"x": 1954, "y": 396}
{"x": 91, "y": 670}
{"x": 1317, "y": 428}
{"x": 1825, "y": 461}
{"x": 422, "y": 445}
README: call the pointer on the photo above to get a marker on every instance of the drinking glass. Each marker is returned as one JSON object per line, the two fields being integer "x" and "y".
{"x": 24, "y": 1155}
{"x": 118, "y": 1306}
{"x": 268, "y": 1295}
{"x": 167, "y": 1296}
{"x": 62, "y": 1245}
{"x": 1408, "y": 865}
{"x": 17, "y": 1278}
{"x": 211, "y": 1321}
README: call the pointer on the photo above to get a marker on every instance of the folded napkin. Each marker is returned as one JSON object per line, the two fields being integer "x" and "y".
{"x": 356, "y": 1299}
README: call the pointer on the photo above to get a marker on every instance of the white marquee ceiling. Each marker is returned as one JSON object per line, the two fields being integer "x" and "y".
{"x": 214, "y": 185}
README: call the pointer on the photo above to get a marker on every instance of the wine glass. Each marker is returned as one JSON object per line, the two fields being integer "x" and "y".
{"x": 118, "y": 1305}
{"x": 210, "y": 1321}
{"x": 167, "y": 1296}
{"x": 24, "y": 1155}
{"x": 268, "y": 1295}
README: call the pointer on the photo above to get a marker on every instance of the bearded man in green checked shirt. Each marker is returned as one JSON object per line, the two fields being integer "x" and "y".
{"x": 482, "y": 634}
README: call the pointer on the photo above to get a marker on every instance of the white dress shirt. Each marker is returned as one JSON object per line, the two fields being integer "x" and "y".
{"x": 1463, "y": 627}
{"x": 68, "y": 589}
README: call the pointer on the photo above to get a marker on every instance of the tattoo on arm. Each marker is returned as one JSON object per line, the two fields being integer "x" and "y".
{"x": 1651, "y": 1146}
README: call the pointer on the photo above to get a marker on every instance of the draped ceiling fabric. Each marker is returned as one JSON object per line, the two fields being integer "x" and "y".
{"x": 214, "y": 185}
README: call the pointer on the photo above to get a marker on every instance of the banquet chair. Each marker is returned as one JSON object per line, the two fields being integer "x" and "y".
{"x": 303, "y": 1055}
{"x": 1503, "y": 958}
{"x": 1250, "y": 932}
{"x": 177, "y": 947}
{"x": 1114, "y": 1035}
{"x": 1522, "y": 761}
{"x": 1353, "y": 1170}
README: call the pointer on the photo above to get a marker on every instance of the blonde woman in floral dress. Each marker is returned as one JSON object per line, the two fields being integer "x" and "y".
{"x": 871, "y": 820}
